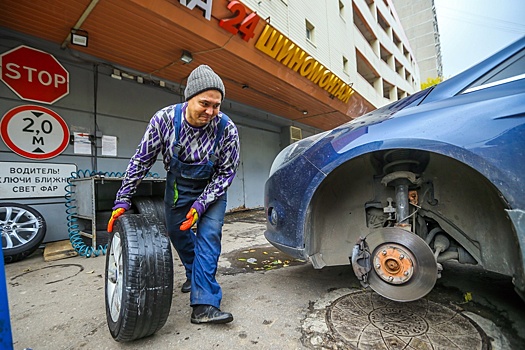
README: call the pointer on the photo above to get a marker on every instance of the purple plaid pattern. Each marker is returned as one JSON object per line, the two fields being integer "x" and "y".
{"x": 196, "y": 144}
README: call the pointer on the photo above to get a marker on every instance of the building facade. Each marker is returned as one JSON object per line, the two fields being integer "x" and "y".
{"x": 420, "y": 23}
{"x": 362, "y": 41}
{"x": 291, "y": 69}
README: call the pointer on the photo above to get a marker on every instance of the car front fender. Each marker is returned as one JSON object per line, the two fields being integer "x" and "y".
{"x": 518, "y": 220}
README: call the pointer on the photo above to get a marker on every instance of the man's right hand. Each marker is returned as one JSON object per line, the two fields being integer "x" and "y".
{"x": 115, "y": 214}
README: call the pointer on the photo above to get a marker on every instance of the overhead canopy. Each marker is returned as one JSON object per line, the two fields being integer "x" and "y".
{"x": 149, "y": 36}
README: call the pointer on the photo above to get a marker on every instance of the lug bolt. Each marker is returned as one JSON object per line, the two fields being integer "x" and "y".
{"x": 401, "y": 257}
{"x": 378, "y": 266}
{"x": 384, "y": 252}
{"x": 390, "y": 278}
{"x": 406, "y": 273}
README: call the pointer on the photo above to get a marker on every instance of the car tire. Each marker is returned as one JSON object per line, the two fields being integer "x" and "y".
{"x": 139, "y": 277}
{"x": 102, "y": 219}
{"x": 151, "y": 206}
{"x": 161, "y": 208}
{"x": 23, "y": 229}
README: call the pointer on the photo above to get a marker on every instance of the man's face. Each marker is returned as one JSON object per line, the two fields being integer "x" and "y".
{"x": 202, "y": 108}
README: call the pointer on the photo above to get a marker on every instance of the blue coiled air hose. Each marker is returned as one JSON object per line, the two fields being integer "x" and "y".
{"x": 72, "y": 227}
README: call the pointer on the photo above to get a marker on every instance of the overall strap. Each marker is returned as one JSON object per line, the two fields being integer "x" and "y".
{"x": 176, "y": 123}
{"x": 220, "y": 132}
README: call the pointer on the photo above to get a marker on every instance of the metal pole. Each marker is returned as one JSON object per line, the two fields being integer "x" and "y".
{"x": 6, "y": 338}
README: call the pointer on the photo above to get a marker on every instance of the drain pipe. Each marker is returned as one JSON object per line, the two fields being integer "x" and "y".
{"x": 95, "y": 141}
{"x": 80, "y": 21}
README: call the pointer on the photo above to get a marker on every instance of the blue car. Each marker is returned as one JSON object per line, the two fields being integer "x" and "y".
{"x": 436, "y": 176}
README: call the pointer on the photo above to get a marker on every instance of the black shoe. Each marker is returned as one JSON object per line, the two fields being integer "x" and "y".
{"x": 186, "y": 287}
{"x": 209, "y": 314}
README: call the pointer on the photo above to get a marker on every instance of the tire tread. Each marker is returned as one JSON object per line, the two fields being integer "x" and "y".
{"x": 148, "y": 278}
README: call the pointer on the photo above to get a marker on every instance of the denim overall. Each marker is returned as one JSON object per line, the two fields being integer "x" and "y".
{"x": 198, "y": 252}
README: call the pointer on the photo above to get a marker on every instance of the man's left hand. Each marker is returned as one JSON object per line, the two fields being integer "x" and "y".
{"x": 192, "y": 218}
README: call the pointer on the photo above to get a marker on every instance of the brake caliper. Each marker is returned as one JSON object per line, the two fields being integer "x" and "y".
{"x": 360, "y": 261}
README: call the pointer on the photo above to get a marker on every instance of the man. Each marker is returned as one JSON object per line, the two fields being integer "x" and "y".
{"x": 200, "y": 149}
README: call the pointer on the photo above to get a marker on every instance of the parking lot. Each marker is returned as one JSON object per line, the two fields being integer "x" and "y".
{"x": 277, "y": 303}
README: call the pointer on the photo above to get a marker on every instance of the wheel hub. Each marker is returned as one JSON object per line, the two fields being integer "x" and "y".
{"x": 404, "y": 266}
{"x": 393, "y": 263}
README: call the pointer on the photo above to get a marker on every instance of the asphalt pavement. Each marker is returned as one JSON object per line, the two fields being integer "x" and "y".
{"x": 277, "y": 302}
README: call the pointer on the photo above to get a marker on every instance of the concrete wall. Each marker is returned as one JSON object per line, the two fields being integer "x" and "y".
{"x": 420, "y": 22}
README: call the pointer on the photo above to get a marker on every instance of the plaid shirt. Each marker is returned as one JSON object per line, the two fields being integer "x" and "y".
{"x": 196, "y": 145}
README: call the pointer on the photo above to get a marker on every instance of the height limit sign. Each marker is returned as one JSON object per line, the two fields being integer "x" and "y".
{"x": 34, "y": 132}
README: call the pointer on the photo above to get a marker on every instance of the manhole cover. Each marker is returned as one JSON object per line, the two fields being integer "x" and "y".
{"x": 365, "y": 320}
{"x": 346, "y": 319}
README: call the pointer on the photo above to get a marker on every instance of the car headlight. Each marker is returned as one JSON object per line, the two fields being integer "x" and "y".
{"x": 294, "y": 150}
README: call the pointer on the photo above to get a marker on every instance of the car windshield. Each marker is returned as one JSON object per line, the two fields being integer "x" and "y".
{"x": 412, "y": 100}
{"x": 385, "y": 112}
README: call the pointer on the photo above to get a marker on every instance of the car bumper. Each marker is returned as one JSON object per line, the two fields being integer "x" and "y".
{"x": 287, "y": 205}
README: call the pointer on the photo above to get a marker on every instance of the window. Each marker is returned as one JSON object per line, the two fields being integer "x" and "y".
{"x": 382, "y": 22}
{"x": 345, "y": 64}
{"x": 363, "y": 26}
{"x": 406, "y": 53}
{"x": 365, "y": 69}
{"x": 388, "y": 89}
{"x": 399, "y": 68}
{"x": 310, "y": 31}
{"x": 341, "y": 9}
{"x": 401, "y": 94}
{"x": 384, "y": 54}
{"x": 510, "y": 70}
{"x": 397, "y": 41}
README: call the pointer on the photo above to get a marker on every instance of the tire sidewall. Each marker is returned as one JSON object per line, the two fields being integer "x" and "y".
{"x": 116, "y": 326}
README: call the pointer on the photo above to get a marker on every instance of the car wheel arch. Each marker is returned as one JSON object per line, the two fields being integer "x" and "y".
{"x": 329, "y": 214}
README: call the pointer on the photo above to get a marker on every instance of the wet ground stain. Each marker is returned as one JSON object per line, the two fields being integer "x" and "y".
{"x": 252, "y": 216}
{"x": 258, "y": 259}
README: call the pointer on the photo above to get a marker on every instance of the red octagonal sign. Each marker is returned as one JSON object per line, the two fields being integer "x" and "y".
{"x": 34, "y": 75}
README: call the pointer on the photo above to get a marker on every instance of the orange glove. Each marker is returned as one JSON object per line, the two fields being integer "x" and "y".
{"x": 192, "y": 217}
{"x": 115, "y": 214}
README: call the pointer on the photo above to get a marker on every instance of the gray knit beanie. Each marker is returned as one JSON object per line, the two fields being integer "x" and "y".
{"x": 201, "y": 79}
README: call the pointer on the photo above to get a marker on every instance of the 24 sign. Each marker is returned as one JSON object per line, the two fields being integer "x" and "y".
{"x": 240, "y": 22}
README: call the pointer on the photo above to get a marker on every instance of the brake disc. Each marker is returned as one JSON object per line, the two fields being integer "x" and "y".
{"x": 403, "y": 265}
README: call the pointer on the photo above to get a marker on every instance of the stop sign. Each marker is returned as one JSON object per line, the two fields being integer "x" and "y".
{"x": 34, "y": 75}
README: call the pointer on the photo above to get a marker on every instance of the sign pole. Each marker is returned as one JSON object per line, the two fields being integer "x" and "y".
{"x": 6, "y": 338}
